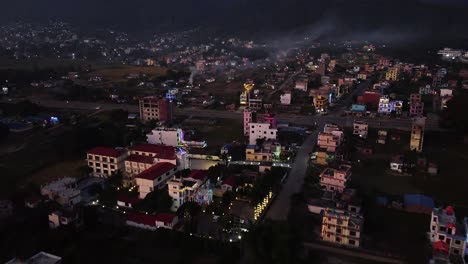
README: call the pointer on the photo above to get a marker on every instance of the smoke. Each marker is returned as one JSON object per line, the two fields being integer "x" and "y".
{"x": 193, "y": 72}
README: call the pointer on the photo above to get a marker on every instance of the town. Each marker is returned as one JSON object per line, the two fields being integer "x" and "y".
{"x": 202, "y": 150}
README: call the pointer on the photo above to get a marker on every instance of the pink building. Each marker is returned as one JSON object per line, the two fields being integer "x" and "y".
{"x": 334, "y": 179}
{"x": 328, "y": 141}
{"x": 416, "y": 107}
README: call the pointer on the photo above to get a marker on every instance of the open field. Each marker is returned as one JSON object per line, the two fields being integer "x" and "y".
{"x": 118, "y": 73}
{"x": 68, "y": 168}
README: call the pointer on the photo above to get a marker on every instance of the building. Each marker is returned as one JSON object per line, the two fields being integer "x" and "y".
{"x": 268, "y": 151}
{"x": 382, "y": 137}
{"x": 261, "y": 131}
{"x": 166, "y": 136}
{"x": 391, "y": 74}
{"x": 200, "y": 66}
{"x": 39, "y": 258}
{"x": 250, "y": 116}
{"x": 155, "y": 108}
{"x": 152, "y": 222}
{"x": 301, "y": 84}
{"x": 154, "y": 178}
{"x": 360, "y": 128}
{"x": 105, "y": 161}
{"x": 320, "y": 103}
{"x": 387, "y": 107}
{"x": 255, "y": 103}
{"x": 64, "y": 191}
{"x": 335, "y": 179}
{"x": 285, "y": 98}
{"x": 416, "y": 106}
{"x": 342, "y": 227}
{"x": 63, "y": 218}
{"x": 417, "y": 134}
{"x": 193, "y": 188}
{"x": 160, "y": 153}
{"x": 370, "y": 99}
{"x": 328, "y": 141}
{"x": 136, "y": 164}
{"x": 447, "y": 236}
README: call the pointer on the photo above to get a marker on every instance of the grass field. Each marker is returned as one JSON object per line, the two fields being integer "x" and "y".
{"x": 118, "y": 73}
{"x": 68, "y": 168}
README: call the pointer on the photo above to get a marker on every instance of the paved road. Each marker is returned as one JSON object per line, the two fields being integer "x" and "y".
{"x": 333, "y": 117}
{"x": 351, "y": 253}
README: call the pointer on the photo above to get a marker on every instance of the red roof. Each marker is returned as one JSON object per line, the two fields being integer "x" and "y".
{"x": 441, "y": 246}
{"x": 141, "y": 218}
{"x": 128, "y": 199}
{"x": 198, "y": 174}
{"x": 140, "y": 159}
{"x": 231, "y": 181}
{"x": 156, "y": 170}
{"x": 166, "y": 218}
{"x": 161, "y": 151}
{"x": 106, "y": 151}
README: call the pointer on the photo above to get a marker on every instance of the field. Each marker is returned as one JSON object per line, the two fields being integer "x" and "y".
{"x": 67, "y": 168}
{"x": 119, "y": 73}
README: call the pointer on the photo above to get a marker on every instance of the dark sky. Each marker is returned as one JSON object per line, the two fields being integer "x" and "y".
{"x": 375, "y": 17}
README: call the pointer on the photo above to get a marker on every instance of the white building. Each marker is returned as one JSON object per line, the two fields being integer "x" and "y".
{"x": 335, "y": 179}
{"x": 40, "y": 258}
{"x": 285, "y": 98}
{"x": 448, "y": 238}
{"x": 193, "y": 188}
{"x": 166, "y": 136}
{"x": 360, "y": 128}
{"x": 261, "y": 131}
{"x": 301, "y": 85}
{"x": 64, "y": 191}
{"x": 154, "y": 178}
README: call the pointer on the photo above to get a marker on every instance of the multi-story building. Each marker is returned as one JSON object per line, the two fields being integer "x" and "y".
{"x": 335, "y": 179}
{"x": 320, "y": 103}
{"x": 268, "y": 151}
{"x": 193, "y": 188}
{"x": 387, "y": 107}
{"x": 360, "y": 128}
{"x": 250, "y": 116}
{"x": 256, "y": 103}
{"x": 328, "y": 141}
{"x": 160, "y": 153}
{"x": 342, "y": 227}
{"x": 166, "y": 136}
{"x": 136, "y": 164}
{"x": 105, "y": 161}
{"x": 261, "y": 131}
{"x": 155, "y": 108}
{"x": 155, "y": 177}
{"x": 417, "y": 133}
{"x": 416, "y": 106}
{"x": 447, "y": 236}
{"x": 285, "y": 98}
{"x": 391, "y": 74}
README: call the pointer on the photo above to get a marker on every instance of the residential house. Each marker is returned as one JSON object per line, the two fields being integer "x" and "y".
{"x": 360, "y": 128}
{"x": 166, "y": 136}
{"x": 342, "y": 227}
{"x": 39, "y": 258}
{"x": 416, "y": 106}
{"x": 335, "y": 178}
{"x": 152, "y": 222}
{"x": 261, "y": 131}
{"x": 417, "y": 134}
{"x": 64, "y": 191}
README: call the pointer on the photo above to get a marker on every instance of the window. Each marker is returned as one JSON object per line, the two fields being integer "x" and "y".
{"x": 338, "y": 230}
{"x": 174, "y": 187}
{"x": 151, "y": 189}
{"x": 457, "y": 242}
{"x": 352, "y": 242}
{"x": 441, "y": 237}
{"x": 442, "y": 228}
{"x": 338, "y": 239}
{"x": 433, "y": 228}
{"x": 352, "y": 233}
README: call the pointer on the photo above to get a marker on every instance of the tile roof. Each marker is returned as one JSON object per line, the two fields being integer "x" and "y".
{"x": 156, "y": 170}
{"x": 128, "y": 199}
{"x": 140, "y": 159}
{"x": 231, "y": 181}
{"x": 161, "y": 151}
{"x": 106, "y": 151}
{"x": 198, "y": 174}
{"x": 166, "y": 218}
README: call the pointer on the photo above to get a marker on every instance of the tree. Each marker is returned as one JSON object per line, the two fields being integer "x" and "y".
{"x": 215, "y": 172}
{"x": 455, "y": 112}
{"x": 4, "y": 131}
{"x": 312, "y": 186}
{"x": 156, "y": 201}
{"x": 228, "y": 197}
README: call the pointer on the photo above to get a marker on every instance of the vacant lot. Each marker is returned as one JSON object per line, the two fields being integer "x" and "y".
{"x": 119, "y": 73}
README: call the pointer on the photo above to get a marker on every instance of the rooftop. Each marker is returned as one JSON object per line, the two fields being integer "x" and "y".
{"x": 106, "y": 151}
{"x": 140, "y": 159}
{"x": 161, "y": 151}
{"x": 156, "y": 170}
{"x": 39, "y": 258}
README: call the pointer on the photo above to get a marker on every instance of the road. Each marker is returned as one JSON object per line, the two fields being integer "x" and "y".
{"x": 332, "y": 117}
